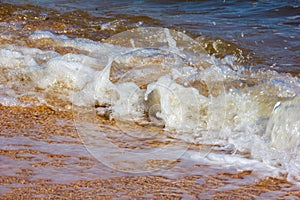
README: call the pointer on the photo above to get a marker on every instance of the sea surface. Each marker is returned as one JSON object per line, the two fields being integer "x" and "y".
{"x": 268, "y": 29}
{"x": 211, "y": 82}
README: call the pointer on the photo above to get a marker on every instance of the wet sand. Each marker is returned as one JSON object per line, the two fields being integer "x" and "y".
{"x": 42, "y": 157}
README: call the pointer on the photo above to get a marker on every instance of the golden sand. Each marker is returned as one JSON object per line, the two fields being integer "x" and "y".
{"x": 24, "y": 162}
{"x": 42, "y": 156}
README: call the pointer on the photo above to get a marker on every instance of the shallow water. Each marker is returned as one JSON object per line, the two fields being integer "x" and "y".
{"x": 214, "y": 93}
{"x": 42, "y": 157}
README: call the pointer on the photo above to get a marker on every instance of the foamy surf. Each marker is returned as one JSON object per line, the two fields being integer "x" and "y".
{"x": 156, "y": 77}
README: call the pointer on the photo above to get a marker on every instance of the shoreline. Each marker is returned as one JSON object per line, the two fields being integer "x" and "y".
{"x": 43, "y": 158}
{"x": 42, "y": 155}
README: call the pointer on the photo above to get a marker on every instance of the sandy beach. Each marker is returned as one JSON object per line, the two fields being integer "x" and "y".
{"x": 42, "y": 157}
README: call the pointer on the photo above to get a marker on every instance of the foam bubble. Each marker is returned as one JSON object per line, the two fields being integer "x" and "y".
{"x": 180, "y": 106}
{"x": 284, "y": 125}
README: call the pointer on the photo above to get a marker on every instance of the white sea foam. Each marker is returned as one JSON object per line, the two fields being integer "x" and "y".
{"x": 14, "y": 59}
{"x": 199, "y": 98}
{"x": 46, "y": 34}
{"x": 284, "y": 125}
{"x": 9, "y": 101}
{"x": 61, "y": 70}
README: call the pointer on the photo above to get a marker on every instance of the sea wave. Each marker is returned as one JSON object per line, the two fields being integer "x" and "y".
{"x": 163, "y": 78}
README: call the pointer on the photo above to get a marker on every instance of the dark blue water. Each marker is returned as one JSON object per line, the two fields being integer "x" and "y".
{"x": 269, "y": 29}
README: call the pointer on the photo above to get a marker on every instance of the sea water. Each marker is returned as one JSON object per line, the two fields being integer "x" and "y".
{"x": 164, "y": 85}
